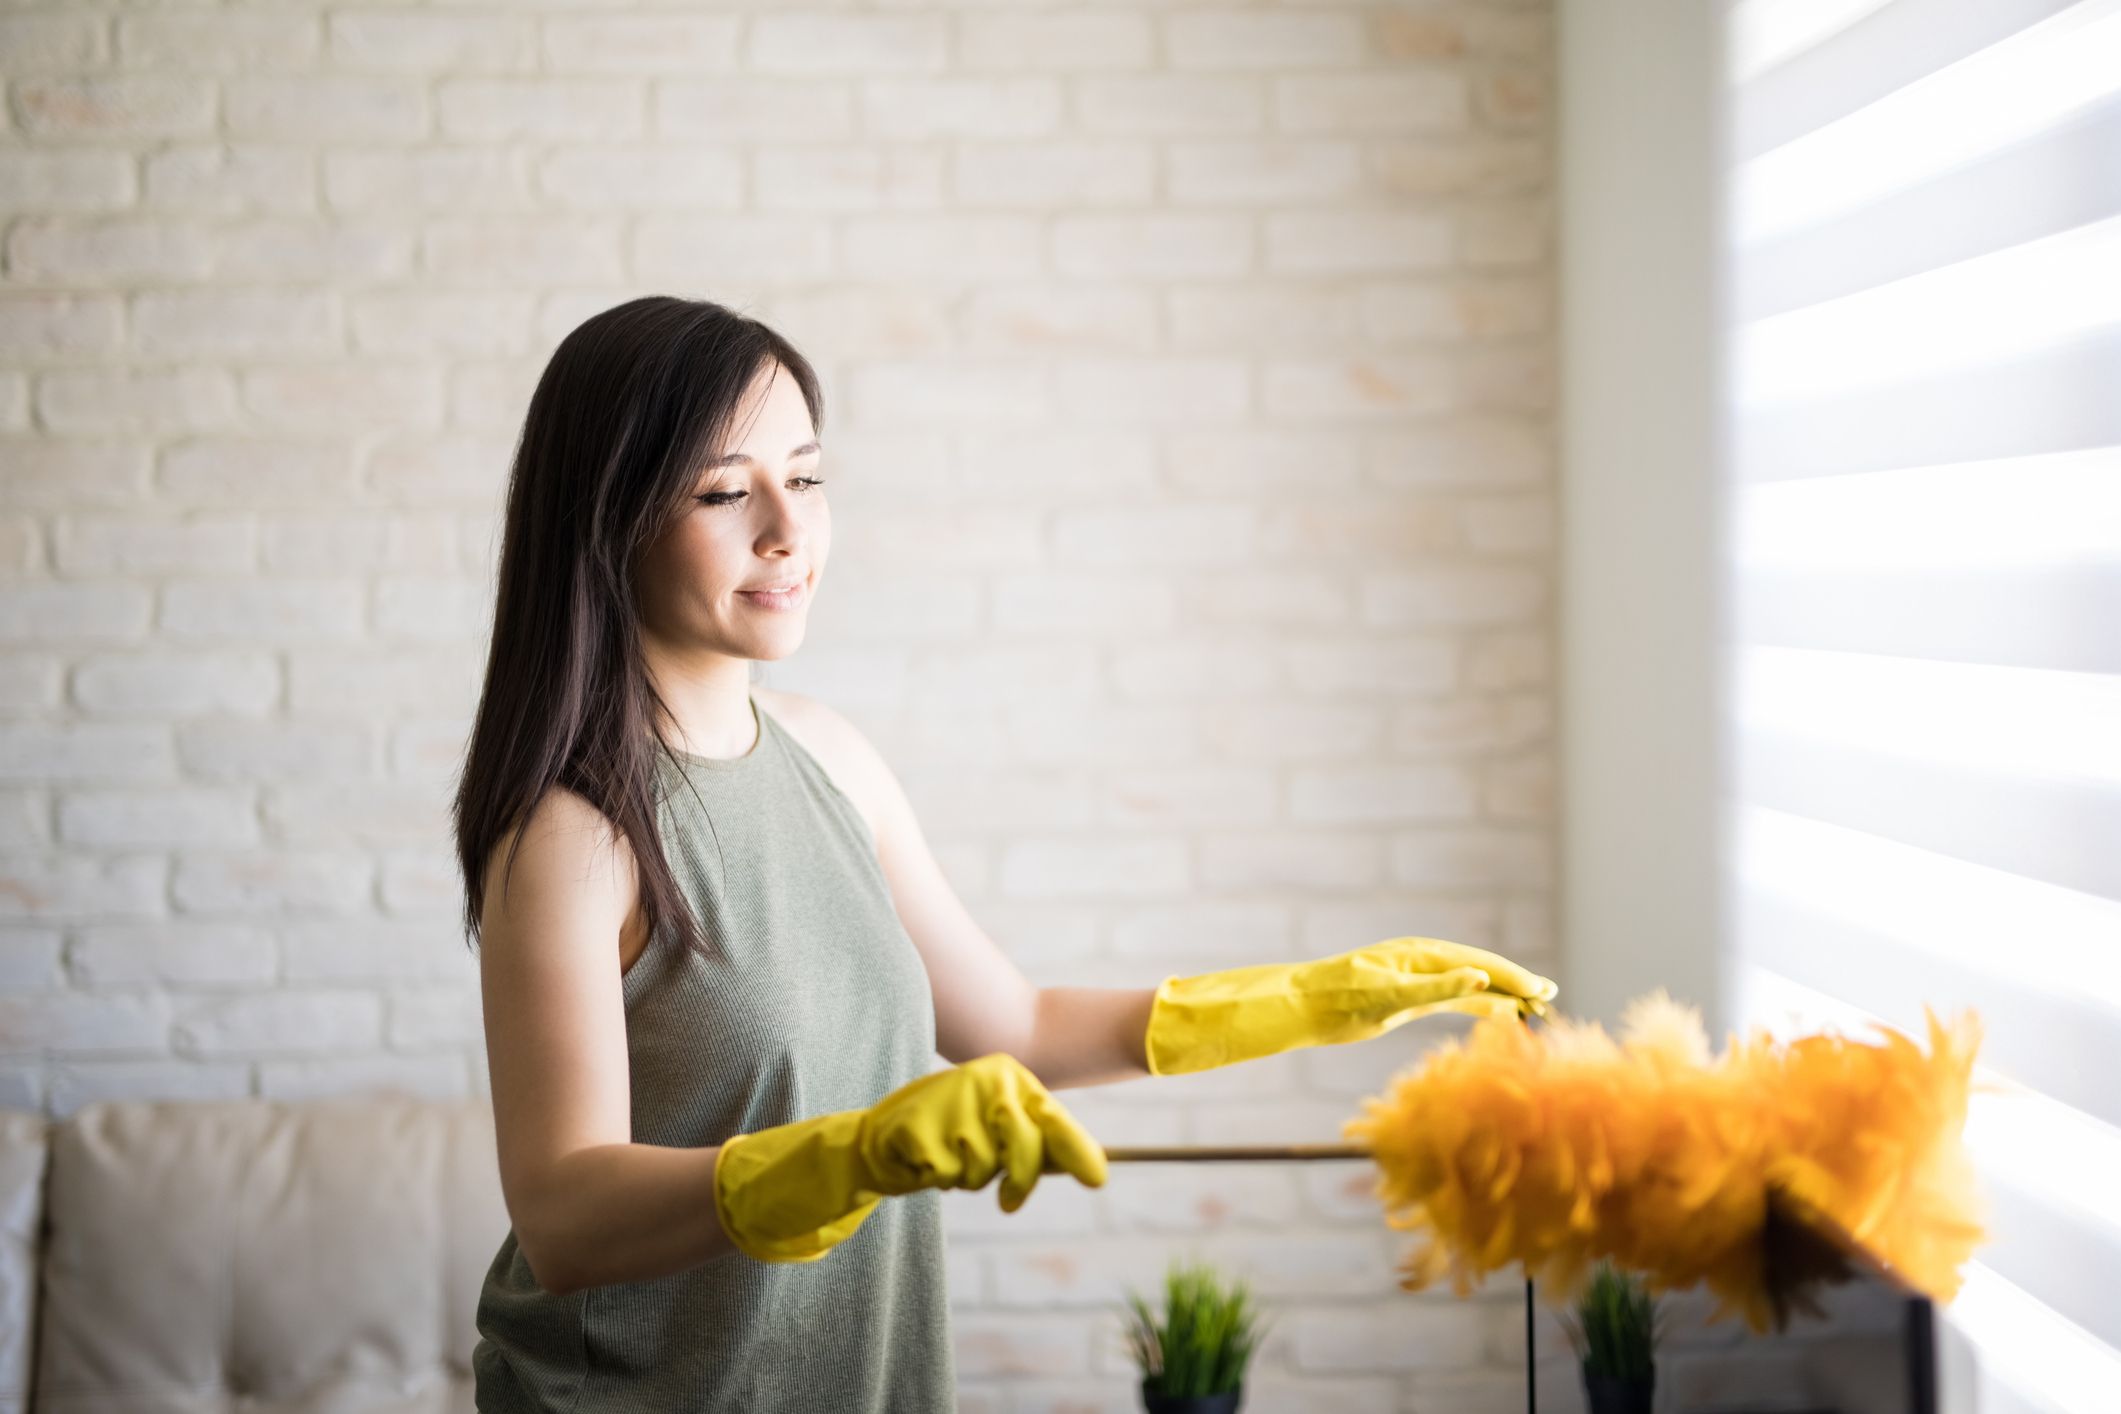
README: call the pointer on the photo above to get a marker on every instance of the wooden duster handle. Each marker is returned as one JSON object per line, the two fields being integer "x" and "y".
{"x": 1248, "y": 1153}
{"x": 1214, "y": 1153}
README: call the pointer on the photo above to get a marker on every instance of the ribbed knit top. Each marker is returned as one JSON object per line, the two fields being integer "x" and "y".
{"x": 817, "y": 1002}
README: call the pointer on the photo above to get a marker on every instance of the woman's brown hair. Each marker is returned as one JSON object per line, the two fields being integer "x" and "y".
{"x": 632, "y": 404}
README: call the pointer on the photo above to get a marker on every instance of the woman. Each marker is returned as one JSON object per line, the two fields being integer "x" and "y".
{"x": 717, "y": 959}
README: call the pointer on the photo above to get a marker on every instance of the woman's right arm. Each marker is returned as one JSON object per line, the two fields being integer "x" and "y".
{"x": 588, "y": 1205}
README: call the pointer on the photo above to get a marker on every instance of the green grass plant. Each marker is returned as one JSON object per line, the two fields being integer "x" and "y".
{"x": 1207, "y": 1332}
{"x": 1616, "y": 1325}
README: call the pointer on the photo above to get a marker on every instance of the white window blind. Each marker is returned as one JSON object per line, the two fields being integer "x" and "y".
{"x": 1923, "y": 651}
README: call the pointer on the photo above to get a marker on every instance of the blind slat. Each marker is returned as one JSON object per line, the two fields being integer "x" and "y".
{"x": 2058, "y": 1045}
{"x": 2069, "y": 176}
{"x": 2070, "y": 1264}
{"x": 2033, "y": 1361}
{"x": 2051, "y": 400}
{"x": 2003, "y": 305}
{"x": 2039, "y": 1145}
{"x": 1949, "y": 907}
{"x": 2062, "y": 618}
{"x": 2060, "y": 832}
{"x": 2003, "y": 94}
{"x": 2014, "y": 722}
{"x": 1867, "y": 60}
{"x": 2057, "y": 509}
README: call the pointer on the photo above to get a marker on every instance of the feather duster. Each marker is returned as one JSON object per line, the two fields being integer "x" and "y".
{"x": 1754, "y": 1173}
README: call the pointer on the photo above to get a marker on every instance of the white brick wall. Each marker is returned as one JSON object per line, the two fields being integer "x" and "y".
{"x": 1190, "y": 380}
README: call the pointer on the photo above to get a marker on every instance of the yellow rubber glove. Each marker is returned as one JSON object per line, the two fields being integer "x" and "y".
{"x": 793, "y": 1192}
{"x": 1219, "y": 1018}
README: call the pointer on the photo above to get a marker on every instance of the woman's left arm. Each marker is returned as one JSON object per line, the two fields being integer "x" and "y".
{"x": 1069, "y": 1036}
{"x": 1066, "y": 1036}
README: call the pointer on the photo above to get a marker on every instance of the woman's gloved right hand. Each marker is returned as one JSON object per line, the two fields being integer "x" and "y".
{"x": 793, "y": 1192}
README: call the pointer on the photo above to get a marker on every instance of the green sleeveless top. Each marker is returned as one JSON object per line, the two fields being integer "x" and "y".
{"x": 817, "y": 1002}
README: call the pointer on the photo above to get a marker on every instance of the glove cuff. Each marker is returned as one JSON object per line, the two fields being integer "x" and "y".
{"x": 788, "y": 1193}
{"x": 1164, "y": 1057}
{"x": 1195, "y": 1025}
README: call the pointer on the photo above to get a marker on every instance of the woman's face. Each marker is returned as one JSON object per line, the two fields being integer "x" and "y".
{"x": 754, "y": 520}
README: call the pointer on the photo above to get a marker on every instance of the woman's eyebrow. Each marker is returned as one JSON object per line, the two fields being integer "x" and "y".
{"x": 734, "y": 457}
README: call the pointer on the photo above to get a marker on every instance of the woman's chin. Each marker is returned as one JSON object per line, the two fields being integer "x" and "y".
{"x": 776, "y": 642}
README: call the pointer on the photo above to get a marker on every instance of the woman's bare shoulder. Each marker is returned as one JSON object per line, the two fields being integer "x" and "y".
{"x": 806, "y": 719}
{"x": 565, "y": 842}
{"x": 836, "y": 742}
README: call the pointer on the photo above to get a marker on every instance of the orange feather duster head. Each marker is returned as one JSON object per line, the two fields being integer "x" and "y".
{"x": 1556, "y": 1147}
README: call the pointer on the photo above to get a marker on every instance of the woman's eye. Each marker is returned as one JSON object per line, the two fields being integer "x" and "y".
{"x": 730, "y": 498}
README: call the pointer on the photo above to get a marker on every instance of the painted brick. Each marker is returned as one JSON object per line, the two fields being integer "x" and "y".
{"x": 64, "y": 182}
{"x": 29, "y": 957}
{"x": 1413, "y": 1335}
{"x": 335, "y": 107}
{"x": 382, "y": 40}
{"x": 1092, "y": 42}
{"x": 163, "y": 818}
{"x": 116, "y": 107}
{"x": 223, "y": 42}
{"x": 250, "y": 884}
{"x": 1419, "y": 102}
{"x": 1231, "y": 39}
{"x": 1171, "y": 105}
{"x": 171, "y": 952}
{"x": 549, "y": 109}
{"x": 438, "y": 1076}
{"x": 846, "y": 44}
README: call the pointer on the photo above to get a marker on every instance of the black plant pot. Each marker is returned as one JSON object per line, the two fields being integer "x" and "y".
{"x": 1615, "y": 1394}
{"x": 1224, "y": 1403}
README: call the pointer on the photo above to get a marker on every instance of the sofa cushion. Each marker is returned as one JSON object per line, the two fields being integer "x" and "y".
{"x": 24, "y": 1147}
{"x": 320, "y": 1254}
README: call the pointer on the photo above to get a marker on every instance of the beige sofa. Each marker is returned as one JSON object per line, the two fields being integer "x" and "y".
{"x": 270, "y": 1257}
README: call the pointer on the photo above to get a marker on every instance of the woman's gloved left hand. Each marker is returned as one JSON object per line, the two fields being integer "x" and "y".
{"x": 1218, "y": 1018}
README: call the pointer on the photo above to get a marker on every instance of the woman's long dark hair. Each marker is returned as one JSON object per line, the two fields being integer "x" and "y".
{"x": 634, "y": 402}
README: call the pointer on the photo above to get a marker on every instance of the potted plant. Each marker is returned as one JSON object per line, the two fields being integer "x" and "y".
{"x": 1615, "y": 1335}
{"x": 1193, "y": 1359}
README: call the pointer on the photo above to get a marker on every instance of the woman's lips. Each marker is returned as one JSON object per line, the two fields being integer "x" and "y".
{"x": 787, "y": 599}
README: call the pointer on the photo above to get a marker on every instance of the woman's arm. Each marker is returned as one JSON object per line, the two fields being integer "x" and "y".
{"x": 588, "y": 1206}
{"x": 1066, "y": 1036}
{"x": 1089, "y": 1035}
{"x": 1071, "y": 1036}
{"x": 626, "y": 1212}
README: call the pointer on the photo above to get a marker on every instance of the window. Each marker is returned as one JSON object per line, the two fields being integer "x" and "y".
{"x": 1923, "y": 650}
